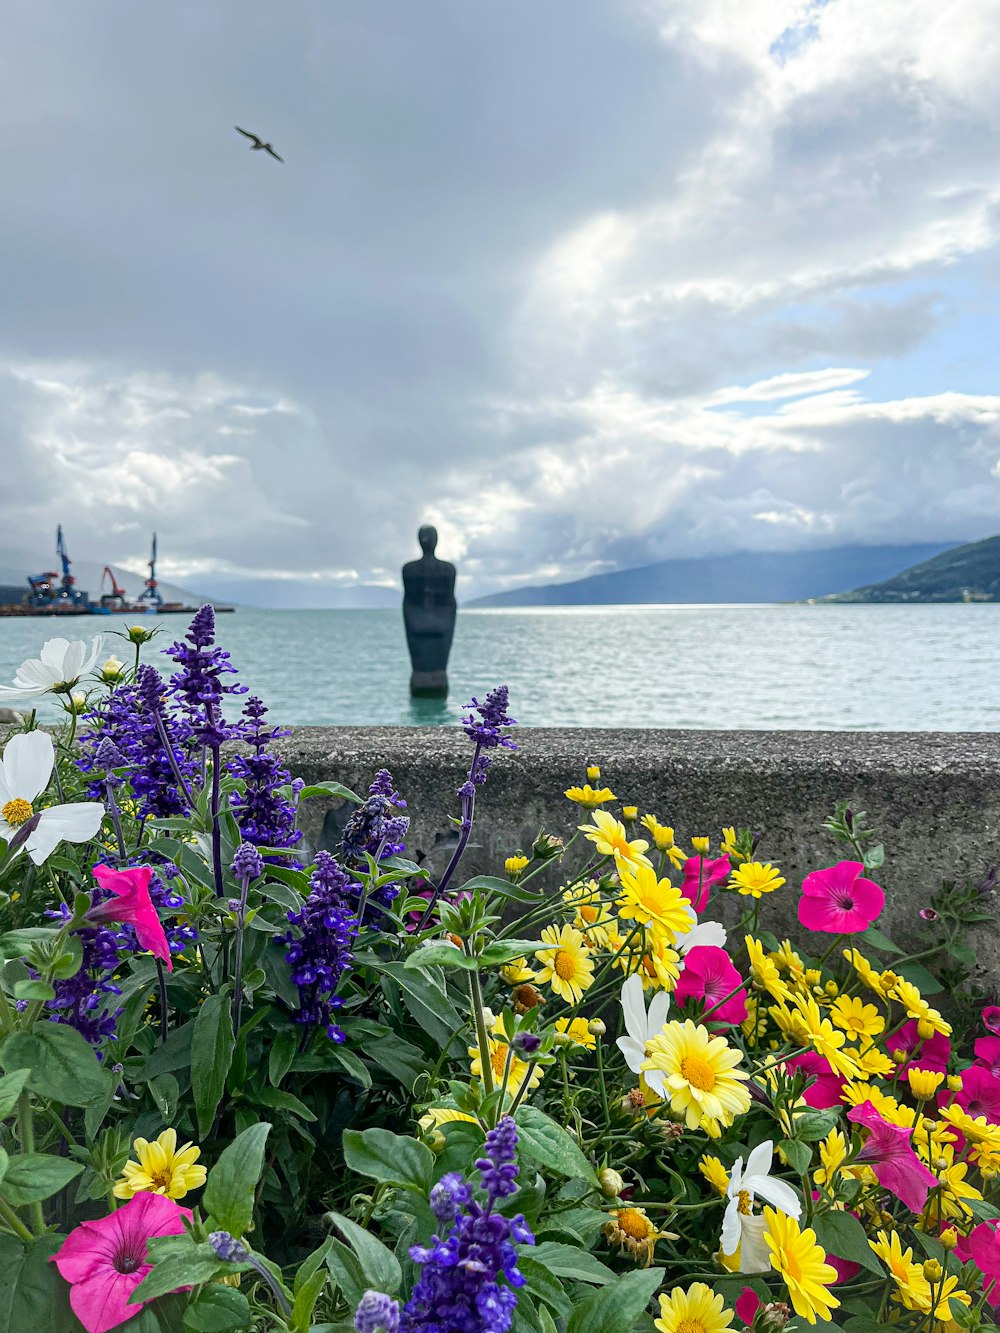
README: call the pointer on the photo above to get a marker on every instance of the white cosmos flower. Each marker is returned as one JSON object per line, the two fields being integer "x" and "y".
{"x": 640, "y": 1026}
{"x": 700, "y": 933}
{"x": 740, "y": 1226}
{"x": 25, "y": 769}
{"x": 60, "y": 666}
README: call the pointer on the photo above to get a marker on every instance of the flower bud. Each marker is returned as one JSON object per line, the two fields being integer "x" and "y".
{"x": 928, "y": 914}
{"x": 526, "y": 1043}
{"x": 527, "y": 997}
{"x": 948, "y": 1238}
{"x": 633, "y": 1099}
{"x": 77, "y": 702}
{"x": 630, "y": 813}
{"x": 546, "y": 846}
{"x": 562, "y": 1039}
{"x": 610, "y": 1182}
{"x": 700, "y": 845}
{"x": 593, "y": 773}
{"x": 933, "y": 1271}
{"x": 514, "y": 865}
{"x": 772, "y": 1317}
{"x": 596, "y": 1028}
{"x": 954, "y": 1082}
{"x": 112, "y": 670}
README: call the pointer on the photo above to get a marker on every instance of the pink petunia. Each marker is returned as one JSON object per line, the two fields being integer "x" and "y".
{"x": 828, "y": 1086}
{"x": 104, "y": 1261}
{"x": 984, "y": 1249}
{"x": 988, "y": 1054}
{"x": 991, "y": 1019}
{"x": 132, "y": 904}
{"x": 839, "y": 900}
{"x": 709, "y": 975}
{"x": 980, "y": 1094}
{"x": 931, "y": 1053}
{"x": 701, "y": 875}
{"x": 747, "y": 1304}
{"x": 888, "y": 1150}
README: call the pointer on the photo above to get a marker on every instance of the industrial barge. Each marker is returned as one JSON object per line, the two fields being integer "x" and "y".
{"x": 55, "y": 594}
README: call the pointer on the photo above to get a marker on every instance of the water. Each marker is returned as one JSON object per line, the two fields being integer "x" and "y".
{"x": 884, "y": 668}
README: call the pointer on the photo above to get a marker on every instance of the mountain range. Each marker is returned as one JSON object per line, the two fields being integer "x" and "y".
{"x": 750, "y": 576}
{"x": 969, "y": 573}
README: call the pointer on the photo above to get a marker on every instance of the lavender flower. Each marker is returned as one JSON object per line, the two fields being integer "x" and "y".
{"x": 198, "y": 686}
{"x": 487, "y": 729}
{"x": 265, "y": 816}
{"x": 80, "y": 1001}
{"x": 247, "y": 863}
{"x": 321, "y": 950}
{"x": 376, "y": 1314}
{"x": 373, "y": 828}
{"x": 459, "y": 1287}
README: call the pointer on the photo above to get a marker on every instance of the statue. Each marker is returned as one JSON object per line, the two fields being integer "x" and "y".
{"x": 429, "y": 610}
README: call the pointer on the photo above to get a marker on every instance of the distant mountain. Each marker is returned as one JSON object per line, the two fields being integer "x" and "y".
{"x": 749, "y": 576}
{"x": 969, "y": 573}
{"x": 306, "y": 594}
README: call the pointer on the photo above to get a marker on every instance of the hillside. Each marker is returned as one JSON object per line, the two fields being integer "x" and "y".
{"x": 781, "y": 576}
{"x": 969, "y": 573}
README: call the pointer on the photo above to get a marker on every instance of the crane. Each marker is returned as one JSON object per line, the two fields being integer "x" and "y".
{"x": 151, "y": 592}
{"x": 116, "y": 599}
{"x": 44, "y": 590}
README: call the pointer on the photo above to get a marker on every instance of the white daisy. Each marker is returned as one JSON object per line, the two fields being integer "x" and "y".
{"x": 56, "y": 671}
{"x": 25, "y": 769}
{"x": 640, "y": 1026}
{"x": 741, "y": 1227}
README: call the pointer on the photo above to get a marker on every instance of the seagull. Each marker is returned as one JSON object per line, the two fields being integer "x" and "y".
{"x": 258, "y": 144}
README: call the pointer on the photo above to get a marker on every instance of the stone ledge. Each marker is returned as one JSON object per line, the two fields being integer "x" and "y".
{"x": 933, "y": 795}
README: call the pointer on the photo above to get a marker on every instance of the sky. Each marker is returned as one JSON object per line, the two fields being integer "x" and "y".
{"x": 585, "y": 283}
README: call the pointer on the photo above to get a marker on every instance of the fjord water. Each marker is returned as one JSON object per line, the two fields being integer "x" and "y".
{"x": 885, "y": 668}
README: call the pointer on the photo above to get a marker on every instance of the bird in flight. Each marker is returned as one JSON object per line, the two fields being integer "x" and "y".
{"x": 258, "y": 144}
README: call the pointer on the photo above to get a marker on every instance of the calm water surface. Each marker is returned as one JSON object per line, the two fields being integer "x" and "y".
{"x": 889, "y": 668}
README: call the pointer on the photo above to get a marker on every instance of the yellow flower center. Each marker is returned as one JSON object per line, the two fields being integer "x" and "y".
{"x": 743, "y": 1204}
{"x": 563, "y": 964}
{"x": 634, "y": 1224}
{"x": 791, "y": 1267}
{"x": 698, "y": 1072}
{"x": 161, "y": 1179}
{"x": 690, "y": 1326}
{"x": 498, "y": 1059}
{"x": 17, "y": 812}
{"x": 589, "y": 914}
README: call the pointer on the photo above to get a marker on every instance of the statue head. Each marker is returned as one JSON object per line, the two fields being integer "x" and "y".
{"x": 428, "y": 539}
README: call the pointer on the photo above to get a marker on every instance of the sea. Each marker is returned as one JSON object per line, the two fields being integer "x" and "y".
{"x": 837, "y": 668}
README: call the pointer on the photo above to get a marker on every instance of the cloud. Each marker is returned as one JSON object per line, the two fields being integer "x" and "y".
{"x": 585, "y": 286}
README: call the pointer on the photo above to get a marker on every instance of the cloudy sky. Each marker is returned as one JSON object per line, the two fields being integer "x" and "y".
{"x": 588, "y": 283}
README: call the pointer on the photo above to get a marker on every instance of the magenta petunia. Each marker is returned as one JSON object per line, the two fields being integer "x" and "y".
{"x": 932, "y": 1052}
{"x": 104, "y": 1261}
{"x": 991, "y": 1019}
{"x": 980, "y": 1094}
{"x": 840, "y": 900}
{"x": 709, "y": 975}
{"x": 888, "y": 1150}
{"x": 827, "y": 1088}
{"x": 132, "y": 904}
{"x": 988, "y": 1054}
{"x": 984, "y": 1250}
{"x": 701, "y": 875}
{"x": 746, "y": 1305}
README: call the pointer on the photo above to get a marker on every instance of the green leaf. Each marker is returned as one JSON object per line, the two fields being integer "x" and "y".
{"x": 211, "y": 1056}
{"x": 543, "y": 1284}
{"x": 502, "y": 951}
{"x": 917, "y": 975}
{"x": 217, "y": 1309}
{"x": 815, "y": 1125}
{"x": 426, "y": 999}
{"x": 229, "y": 1189}
{"x": 33, "y": 990}
{"x": 616, "y": 1307}
{"x": 329, "y": 789}
{"x": 284, "y": 1101}
{"x": 63, "y": 1065}
{"x": 305, "y": 1301}
{"x": 567, "y": 1261}
{"x": 178, "y": 1261}
{"x": 11, "y": 1086}
{"x": 346, "y": 1271}
{"x": 550, "y": 1145}
{"x": 352, "y": 1065}
{"x": 392, "y": 1158}
{"x": 281, "y": 1055}
{"x": 872, "y": 938}
{"x": 174, "y": 1054}
{"x": 518, "y": 893}
{"x": 32, "y": 1294}
{"x": 378, "y": 1263}
{"x": 843, "y": 1235}
{"x": 440, "y": 954}
{"x": 36, "y": 1176}
{"x": 798, "y": 1155}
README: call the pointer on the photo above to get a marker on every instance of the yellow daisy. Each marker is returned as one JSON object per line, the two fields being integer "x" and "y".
{"x": 715, "y": 1173}
{"x": 578, "y": 1030}
{"x": 611, "y": 839}
{"x": 632, "y": 1230}
{"x": 590, "y": 798}
{"x": 698, "y": 1074}
{"x": 824, "y": 1038}
{"x": 728, "y": 845}
{"x": 928, "y": 1020}
{"x": 436, "y": 1116}
{"x": 653, "y": 902}
{"x": 514, "y": 865}
{"x": 873, "y": 1063}
{"x": 498, "y": 1052}
{"x": 765, "y": 971}
{"x": 857, "y": 1019}
{"x": 697, "y": 1310}
{"x": 663, "y": 840}
{"x": 755, "y": 878}
{"x": 162, "y": 1168}
{"x": 517, "y": 972}
{"x": 566, "y": 965}
{"x": 912, "y": 1288}
{"x": 802, "y": 1264}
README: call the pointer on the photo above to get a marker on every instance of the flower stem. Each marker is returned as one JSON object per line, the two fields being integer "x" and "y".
{"x": 11, "y": 1220}
{"x": 468, "y": 811}
{"x": 216, "y": 825}
{"x": 26, "y": 1132}
{"x": 238, "y": 992}
{"x": 476, "y": 996}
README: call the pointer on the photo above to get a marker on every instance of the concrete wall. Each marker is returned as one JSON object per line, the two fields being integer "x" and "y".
{"x": 934, "y": 796}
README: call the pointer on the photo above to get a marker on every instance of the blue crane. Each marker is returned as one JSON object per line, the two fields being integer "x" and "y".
{"x": 151, "y": 592}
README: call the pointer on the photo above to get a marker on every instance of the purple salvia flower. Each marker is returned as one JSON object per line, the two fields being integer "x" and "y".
{"x": 487, "y": 729}
{"x": 376, "y": 1313}
{"x": 321, "y": 950}
{"x": 449, "y": 1194}
{"x": 198, "y": 685}
{"x": 248, "y": 863}
{"x": 265, "y": 816}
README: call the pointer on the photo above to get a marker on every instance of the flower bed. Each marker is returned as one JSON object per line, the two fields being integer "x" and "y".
{"x": 247, "y": 1084}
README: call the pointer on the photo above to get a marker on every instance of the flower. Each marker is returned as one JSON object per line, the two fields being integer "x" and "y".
{"x": 247, "y": 863}
{"x": 827, "y": 1086}
{"x": 839, "y": 900}
{"x": 322, "y": 949}
{"x": 913, "y": 1289}
{"x": 459, "y": 1285}
{"x": 376, "y": 1313}
{"x": 161, "y": 1168}
{"x": 889, "y": 1151}
{"x": 991, "y": 1018}
{"x": 929, "y": 1022}
{"x": 715, "y": 1173}
{"x": 663, "y": 840}
{"x": 987, "y": 1051}
{"x": 566, "y": 966}
{"x": 701, "y": 875}
{"x": 924, "y": 1083}
{"x": 263, "y": 811}
{"x": 709, "y": 976}
{"x": 743, "y": 1187}
{"x": 104, "y": 1261}
{"x": 857, "y": 1019}
{"x": 802, "y": 1264}
{"x": 701, "y": 1078}
{"x": 487, "y": 729}
{"x": 514, "y": 865}
{"x": 640, "y": 1026}
{"x": 578, "y": 1031}
{"x": 984, "y": 1247}
{"x": 517, "y": 1071}
{"x": 980, "y": 1094}
{"x": 753, "y": 879}
{"x": 25, "y": 769}
{"x": 932, "y": 1052}
{"x": 56, "y": 671}
{"x": 823, "y": 1037}
{"x": 588, "y": 797}
{"x": 764, "y": 970}
{"x": 697, "y": 1310}
{"x": 516, "y": 972}
{"x": 131, "y": 903}
{"x": 593, "y": 773}
{"x": 651, "y": 901}
{"x": 632, "y": 1230}
{"x": 610, "y": 838}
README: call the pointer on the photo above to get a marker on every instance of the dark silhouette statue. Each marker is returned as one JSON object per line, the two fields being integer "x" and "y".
{"x": 429, "y": 610}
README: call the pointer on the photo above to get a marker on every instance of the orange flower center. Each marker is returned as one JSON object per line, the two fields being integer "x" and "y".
{"x": 698, "y": 1072}
{"x": 690, "y": 1326}
{"x": 634, "y": 1223}
{"x": 17, "y": 812}
{"x": 743, "y": 1203}
{"x": 563, "y": 964}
